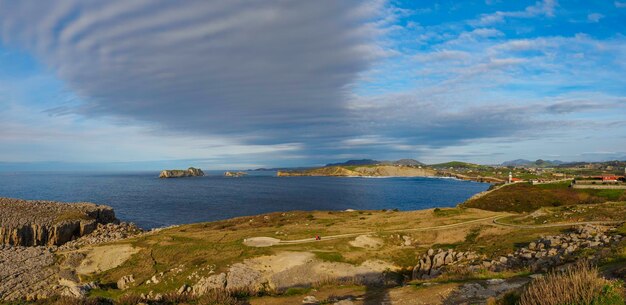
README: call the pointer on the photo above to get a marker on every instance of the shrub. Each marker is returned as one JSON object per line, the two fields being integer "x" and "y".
{"x": 579, "y": 284}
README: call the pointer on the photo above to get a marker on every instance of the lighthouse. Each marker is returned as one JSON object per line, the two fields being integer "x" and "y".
{"x": 510, "y": 177}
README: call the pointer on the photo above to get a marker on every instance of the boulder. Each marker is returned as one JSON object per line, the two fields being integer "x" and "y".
{"x": 310, "y": 300}
{"x": 243, "y": 277}
{"x": 124, "y": 282}
{"x": 213, "y": 282}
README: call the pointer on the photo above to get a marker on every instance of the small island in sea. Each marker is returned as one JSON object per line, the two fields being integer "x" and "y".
{"x": 179, "y": 173}
{"x": 235, "y": 174}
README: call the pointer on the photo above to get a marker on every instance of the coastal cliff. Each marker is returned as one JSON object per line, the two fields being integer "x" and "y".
{"x": 178, "y": 173}
{"x": 49, "y": 223}
{"x": 363, "y": 171}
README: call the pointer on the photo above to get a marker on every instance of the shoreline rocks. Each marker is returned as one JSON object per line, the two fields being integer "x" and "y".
{"x": 179, "y": 173}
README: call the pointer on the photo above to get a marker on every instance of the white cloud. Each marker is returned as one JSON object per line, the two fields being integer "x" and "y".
{"x": 594, "y": 17}
{"x": 541, "y": 8}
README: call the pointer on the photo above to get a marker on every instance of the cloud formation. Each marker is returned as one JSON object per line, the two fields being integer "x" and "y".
{"x": 314, "y": 80}
{"x": 206, "y": 67}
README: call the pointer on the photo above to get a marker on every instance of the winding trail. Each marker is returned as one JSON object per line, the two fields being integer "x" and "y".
{"x": 270, "y": 241}
{"x": 554, "y": 225}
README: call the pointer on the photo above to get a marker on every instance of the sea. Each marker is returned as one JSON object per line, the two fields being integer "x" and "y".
{"x": 150, "y": 202}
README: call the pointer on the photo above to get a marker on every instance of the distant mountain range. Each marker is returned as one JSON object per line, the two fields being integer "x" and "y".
{"x": 373, "y": 162}
{"x": 538, "y": 163}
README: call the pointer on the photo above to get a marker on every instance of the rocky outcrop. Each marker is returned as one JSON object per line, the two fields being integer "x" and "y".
{"x": 104, "y": 233}
{"x": 235, "y": 174}
{"x": 539, "y": 256}
{"x": 178, "y": 173}
{"x": 432, "y": 263}
{"x": 49, "y": 223}
{"x": 207, "y": 284}
{"x": 125, "y": 281}
{"x": 554, "y": 250}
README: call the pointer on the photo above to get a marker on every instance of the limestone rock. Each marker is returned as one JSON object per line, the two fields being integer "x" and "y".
{"x": 241, "y": 276}
{"x": 310, "y": 300}
{"x": 178, "y": 173}
{"x": 431, "y": 264}
{"x": 49, "y": 223}
{"x": 213, "y": 282}
{"x": 124, "y": 281}
{"x": 235, "y": 174}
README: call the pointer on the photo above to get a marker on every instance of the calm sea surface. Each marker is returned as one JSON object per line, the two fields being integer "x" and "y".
{"x": 142, "y": 198}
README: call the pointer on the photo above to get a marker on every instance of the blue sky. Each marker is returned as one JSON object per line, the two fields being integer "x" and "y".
{"x": 238, "y": 84}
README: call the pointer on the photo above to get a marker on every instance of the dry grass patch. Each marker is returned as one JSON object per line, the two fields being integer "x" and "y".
{"x": 579, "y": 284}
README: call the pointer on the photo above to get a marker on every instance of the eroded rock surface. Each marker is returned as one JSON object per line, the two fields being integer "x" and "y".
{"x": 292, "y": 269}
{"x": 27, "y": 273}
{"x": 49, "y": 223}
{"x": 104, "y": 233}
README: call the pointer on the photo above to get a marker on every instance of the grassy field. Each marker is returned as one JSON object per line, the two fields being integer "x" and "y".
{"x": 200, "y": 249}
{"x": 188, "y": 252}
{"x": 524, "y": 197}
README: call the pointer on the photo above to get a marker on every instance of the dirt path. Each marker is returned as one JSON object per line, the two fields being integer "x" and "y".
{"x": 554, "y": 225}
{"x": 268, "y": 241}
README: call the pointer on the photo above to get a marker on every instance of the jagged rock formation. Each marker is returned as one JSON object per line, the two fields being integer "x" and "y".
{"x": 540, "y": 255}
{"x": 364, "y": 171}
{"x": 104, "y": 233}
{"x": 178, "y": 173}
{"x": 49, "y": 223}
{"x": 235, "y": 174}
{"x": 554, "y": 250}
{"x": 430, "y": 264}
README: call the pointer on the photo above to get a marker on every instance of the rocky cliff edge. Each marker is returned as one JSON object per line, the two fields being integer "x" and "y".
{"x": 48, "y": 223}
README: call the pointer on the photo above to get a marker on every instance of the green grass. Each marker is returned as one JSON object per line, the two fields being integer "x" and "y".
{"x": 472, "y": 235}
{"x": 524, "y": 197}
{"x": 296, "y": 291}
{"x": 610, "y": 194}
{"x": 330, "y": 256}
{"x": 447, "y": 212}
{"x": 458, "y": 164}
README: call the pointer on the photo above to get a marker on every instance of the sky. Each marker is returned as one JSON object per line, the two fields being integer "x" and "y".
{"x": 225, "y": 84}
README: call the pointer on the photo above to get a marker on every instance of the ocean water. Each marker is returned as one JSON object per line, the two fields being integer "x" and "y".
{"x": 142, "y": 198}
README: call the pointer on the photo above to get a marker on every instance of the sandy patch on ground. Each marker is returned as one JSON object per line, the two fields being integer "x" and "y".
{"x": 369, "y": 268}
{"x": 365, "y": 241}
{"x": 303, "y": 269}
{"x": 280, "y": 262}
{"x": 261, "y": 241}
{"x": 104, "y": 258}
